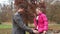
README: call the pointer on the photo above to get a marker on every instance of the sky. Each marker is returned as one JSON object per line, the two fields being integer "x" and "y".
{"x": 1, "y": 1}
{"x": 4, "y": 1}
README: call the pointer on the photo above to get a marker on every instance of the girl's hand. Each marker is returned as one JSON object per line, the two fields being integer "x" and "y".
{"x": 44, "y": 32}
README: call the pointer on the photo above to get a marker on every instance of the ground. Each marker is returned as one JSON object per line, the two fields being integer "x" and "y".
{"x": 6, "y": 28}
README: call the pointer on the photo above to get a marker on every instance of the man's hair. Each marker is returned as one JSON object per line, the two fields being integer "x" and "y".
{"x": 21, "y": 6}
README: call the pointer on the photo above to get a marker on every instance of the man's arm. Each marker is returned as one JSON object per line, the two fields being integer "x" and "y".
{"x": 19, "y": 21}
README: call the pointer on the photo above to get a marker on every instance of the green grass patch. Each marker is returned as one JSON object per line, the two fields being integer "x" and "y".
{"x": 4, "y": 26}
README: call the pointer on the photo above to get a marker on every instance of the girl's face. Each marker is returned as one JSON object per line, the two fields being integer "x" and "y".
{"x": 38, "y": 11}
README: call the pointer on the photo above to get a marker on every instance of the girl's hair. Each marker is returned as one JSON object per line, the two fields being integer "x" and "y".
{"x": 41, "y": 9}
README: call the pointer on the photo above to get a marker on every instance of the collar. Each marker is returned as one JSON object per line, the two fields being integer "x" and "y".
{"x": 39, "y": 14}
{"x": 19, "y": 13}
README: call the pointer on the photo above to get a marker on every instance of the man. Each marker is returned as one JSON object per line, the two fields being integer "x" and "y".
{"x": 18, "y": 26}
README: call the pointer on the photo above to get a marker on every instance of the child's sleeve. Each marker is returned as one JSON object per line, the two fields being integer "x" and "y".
{"x": 45, "y": 22}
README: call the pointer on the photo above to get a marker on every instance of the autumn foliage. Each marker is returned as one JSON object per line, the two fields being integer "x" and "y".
{"x": 30, "y": 8}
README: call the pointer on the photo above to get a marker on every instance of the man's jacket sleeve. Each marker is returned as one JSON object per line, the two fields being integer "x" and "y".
{"x": 20, "y": 23}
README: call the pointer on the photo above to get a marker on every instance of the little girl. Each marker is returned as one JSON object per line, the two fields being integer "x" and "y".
{"x": 41, "y": 21}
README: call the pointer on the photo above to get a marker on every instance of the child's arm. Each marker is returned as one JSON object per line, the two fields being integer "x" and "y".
{"x": 45, "y": 22}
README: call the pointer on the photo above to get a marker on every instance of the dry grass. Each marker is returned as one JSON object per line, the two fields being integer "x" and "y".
{"x": 54, "y": 27}
{"x": 5, "y": 31}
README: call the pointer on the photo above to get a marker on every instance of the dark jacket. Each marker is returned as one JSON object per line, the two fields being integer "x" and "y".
{"x": 18, "y": 26}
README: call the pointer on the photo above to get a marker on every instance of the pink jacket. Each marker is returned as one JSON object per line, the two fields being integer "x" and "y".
{"x": 42, "y": 23}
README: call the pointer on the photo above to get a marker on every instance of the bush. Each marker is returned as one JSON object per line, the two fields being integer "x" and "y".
{"x": 0, "y": 22}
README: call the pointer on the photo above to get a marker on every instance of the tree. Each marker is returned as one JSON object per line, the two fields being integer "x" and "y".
{"x": 53, "y": 11}
{"x": 30, "y": 8}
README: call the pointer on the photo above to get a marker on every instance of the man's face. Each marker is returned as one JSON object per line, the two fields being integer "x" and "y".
{"x": 21, "y": 10}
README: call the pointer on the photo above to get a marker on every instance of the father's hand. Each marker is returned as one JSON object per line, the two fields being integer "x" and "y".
{"x": 35, "y": 31}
